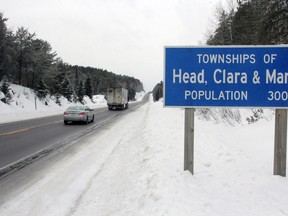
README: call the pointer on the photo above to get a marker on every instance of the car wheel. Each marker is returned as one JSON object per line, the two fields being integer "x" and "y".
{"x": 92, "y": 119}
{"x": 65, "y": 122}
{"x": 87, "y": 120}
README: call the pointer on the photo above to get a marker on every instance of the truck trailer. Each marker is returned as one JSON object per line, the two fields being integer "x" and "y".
{"x": 117, "y": 98}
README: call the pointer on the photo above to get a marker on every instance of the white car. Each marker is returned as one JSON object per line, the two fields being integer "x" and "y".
{"x": 78, "y": 113}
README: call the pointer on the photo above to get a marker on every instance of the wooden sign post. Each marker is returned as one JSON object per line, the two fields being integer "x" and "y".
{"x": 280, "y": 143}
{"x": 189, "y": 140}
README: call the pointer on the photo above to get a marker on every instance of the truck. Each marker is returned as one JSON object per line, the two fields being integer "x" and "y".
{"x": 117, "y": 98}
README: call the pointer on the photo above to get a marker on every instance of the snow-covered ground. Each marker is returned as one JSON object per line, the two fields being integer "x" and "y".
{"x": 136, "y": 168}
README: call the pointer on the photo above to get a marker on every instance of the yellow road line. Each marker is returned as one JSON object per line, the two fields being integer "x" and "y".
{"x": 13, "y": 132}
{"x": 26, "y": 129}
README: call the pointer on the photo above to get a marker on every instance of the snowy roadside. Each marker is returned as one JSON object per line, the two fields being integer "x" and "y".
{"x": 139, "y": 171}
{"x": 24, "y": 105}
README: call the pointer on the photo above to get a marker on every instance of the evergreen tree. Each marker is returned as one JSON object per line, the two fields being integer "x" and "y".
{"x": 158, "y": 91}
{"x": 41, "y": 89}
{"x": 80, "y": 92}
{"x": 223, "y": 33}
{"x": 77, "y": 81}
{"x": 57, "y": 99}
{"x": 6, "y": 91}
{"x": 23, "y": 41}
{"x": 131, "y": 94}
{"x": 274, "y": 28}
{"x": 7, "y": 50}
{"x": 247, "y": 23}
{"x": 3, "y": 32}
{"x": 59, "y": 79}
{"x": 88, "y": 87}
{"x": 42, "y": 59}
{"x": 57, "y": 90}
{"x": 66, "y": 89}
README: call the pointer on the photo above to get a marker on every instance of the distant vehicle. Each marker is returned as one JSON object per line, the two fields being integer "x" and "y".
{"x": 117, "y": 98}
{"x": 78, "y": 113}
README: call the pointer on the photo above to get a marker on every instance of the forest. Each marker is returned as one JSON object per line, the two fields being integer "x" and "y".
{"x": 251, "y": 22}
{"x": 31, "y": 62}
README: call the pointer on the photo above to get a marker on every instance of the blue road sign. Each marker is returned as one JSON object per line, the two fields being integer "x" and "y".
{"x": 230, "y": 76}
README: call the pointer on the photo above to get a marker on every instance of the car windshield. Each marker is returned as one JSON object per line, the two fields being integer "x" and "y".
{"x": 76, "y": 108}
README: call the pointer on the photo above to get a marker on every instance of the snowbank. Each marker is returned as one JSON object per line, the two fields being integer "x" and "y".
{"x": 139, "y": 96}
{"x": 24, "y": 105}
{"x": 99, "y": 99}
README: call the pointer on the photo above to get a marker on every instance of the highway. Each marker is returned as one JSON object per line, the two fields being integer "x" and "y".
{"x": 22, "y": 142}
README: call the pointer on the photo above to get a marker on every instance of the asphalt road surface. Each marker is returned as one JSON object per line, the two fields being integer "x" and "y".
{"x": 25, "y": 140}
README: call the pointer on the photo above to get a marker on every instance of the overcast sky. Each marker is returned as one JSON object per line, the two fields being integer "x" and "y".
{"x": 123, "y": 36}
